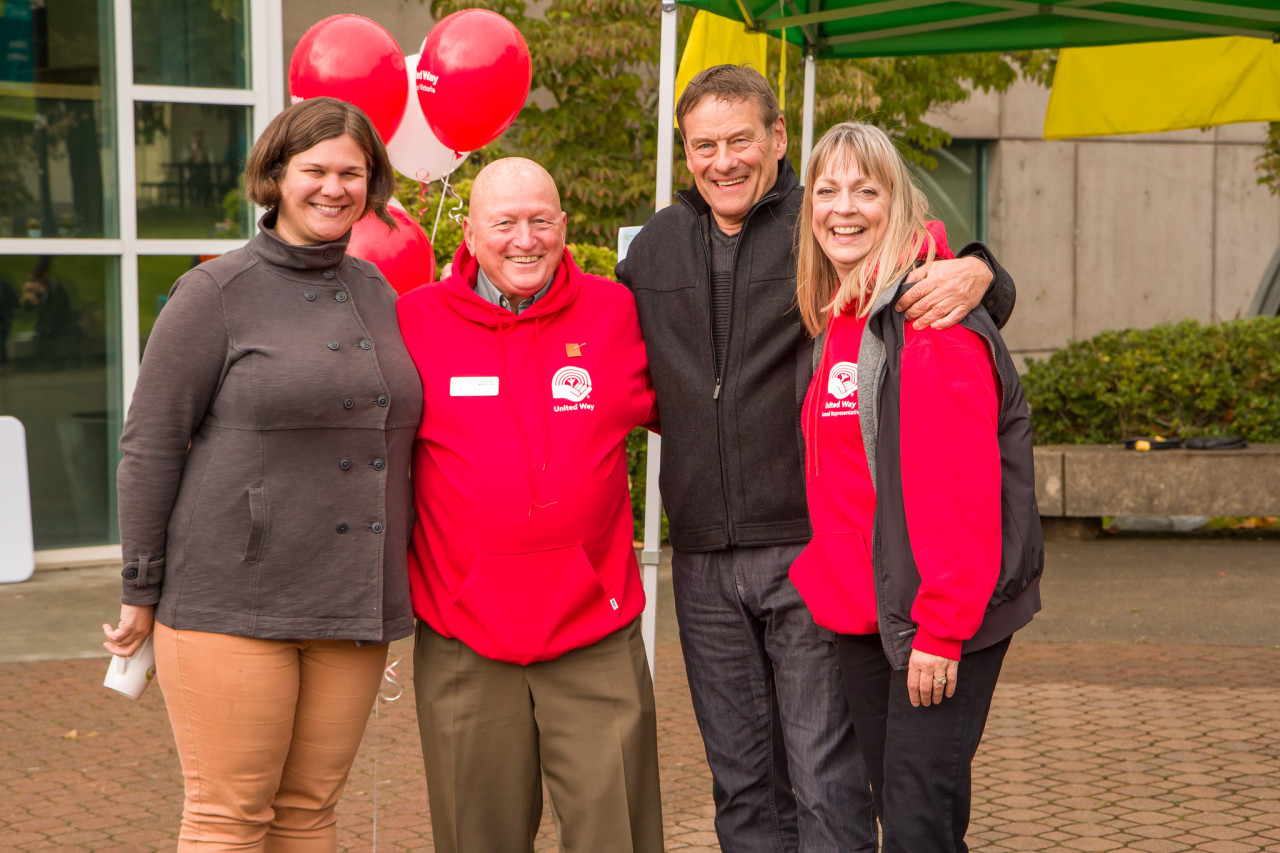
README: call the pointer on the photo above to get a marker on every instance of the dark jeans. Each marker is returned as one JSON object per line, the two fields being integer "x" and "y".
{"x": 919, "y": 759}
{"x": 786, "y": 772}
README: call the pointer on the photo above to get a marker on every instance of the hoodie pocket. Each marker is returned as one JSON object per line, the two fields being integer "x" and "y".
{"x": 534, "y": 605}
{"x": 833, "y": 575}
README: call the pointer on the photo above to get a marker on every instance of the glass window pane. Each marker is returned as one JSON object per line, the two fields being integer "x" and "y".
{"x": 189, "y": 160}
{"x": 57, "y": 121}
{"x": 156, "y": 275}
{"x": 60, "y": 375}
{"x": 956, "y": 190}
{"x": 192, "y": 43}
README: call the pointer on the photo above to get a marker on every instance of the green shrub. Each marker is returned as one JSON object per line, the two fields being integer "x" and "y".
{"x": 637, "y": 472}
{"x": 1177, "y": 380}
{"x": 597, "y": 260}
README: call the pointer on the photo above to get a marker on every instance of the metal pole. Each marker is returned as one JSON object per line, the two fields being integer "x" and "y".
{"x": 652, "y": 553}
{"x": 806, "y": 123}
{"x": 666, "y": 105}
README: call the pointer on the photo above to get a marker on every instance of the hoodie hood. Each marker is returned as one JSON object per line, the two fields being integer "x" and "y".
{"x": 460, "y": 287}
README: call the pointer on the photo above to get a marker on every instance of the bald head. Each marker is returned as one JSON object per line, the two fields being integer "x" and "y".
{"x": 512, "y": 176}
{"x": 515, "y": 228}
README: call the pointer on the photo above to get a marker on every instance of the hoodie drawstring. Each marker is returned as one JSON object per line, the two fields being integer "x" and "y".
{"x": 515, "y": 413}
{"x": 546, "y": 394}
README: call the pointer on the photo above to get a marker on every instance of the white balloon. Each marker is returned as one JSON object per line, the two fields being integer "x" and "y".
{"x": 414, "y": 150}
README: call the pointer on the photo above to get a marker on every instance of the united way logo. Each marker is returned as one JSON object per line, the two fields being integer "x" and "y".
{"x": 571, "y": 383}
{"x": 842, "y": 381}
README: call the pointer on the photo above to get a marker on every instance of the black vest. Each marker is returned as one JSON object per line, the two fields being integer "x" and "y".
{"x": 1017, "y": 593}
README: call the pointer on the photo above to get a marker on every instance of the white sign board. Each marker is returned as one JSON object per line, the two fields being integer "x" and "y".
{"x": 17, "y": 549}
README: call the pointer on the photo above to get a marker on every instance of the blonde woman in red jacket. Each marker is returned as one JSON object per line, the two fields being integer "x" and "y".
{"x": 926, "y": 552}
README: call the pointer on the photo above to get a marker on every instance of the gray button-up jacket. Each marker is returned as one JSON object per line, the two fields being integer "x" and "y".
{"x": 264, "y": 488}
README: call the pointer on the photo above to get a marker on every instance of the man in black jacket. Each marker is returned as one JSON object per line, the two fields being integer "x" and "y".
{"x": 714, "y": 281}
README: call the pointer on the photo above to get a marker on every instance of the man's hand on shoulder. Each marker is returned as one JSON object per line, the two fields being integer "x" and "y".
{"x": 945, "y": 292}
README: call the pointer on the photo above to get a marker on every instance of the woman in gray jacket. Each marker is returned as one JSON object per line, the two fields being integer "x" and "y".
{"x": 264, "y": 494}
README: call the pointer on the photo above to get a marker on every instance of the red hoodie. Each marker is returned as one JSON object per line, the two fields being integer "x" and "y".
{"x": 950, "y": 483}
{"x": 522, "y": 545}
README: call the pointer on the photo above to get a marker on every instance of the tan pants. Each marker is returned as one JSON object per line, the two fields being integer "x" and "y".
{"x": 586, "y": 720}
{"x": 266, "y": 733}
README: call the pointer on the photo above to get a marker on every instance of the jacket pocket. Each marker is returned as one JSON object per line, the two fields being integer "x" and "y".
{"x": 833, "y": 575}
{"x": 535, "y": 605}
{"x": 257, "y": 525}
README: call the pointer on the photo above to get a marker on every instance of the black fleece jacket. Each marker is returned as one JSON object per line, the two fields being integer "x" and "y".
{"x": 732, "y": 449}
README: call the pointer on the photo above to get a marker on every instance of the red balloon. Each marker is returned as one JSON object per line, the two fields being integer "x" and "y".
{"x": 353, "y": 59}
{"x": 473, "y": 77}
{"x": 402, "y": 255}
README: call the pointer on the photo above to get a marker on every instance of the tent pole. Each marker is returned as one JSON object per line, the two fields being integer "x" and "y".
{"x": 806, "y": 133}
{"x": 651, "y": 555}
{"x": 666, "y": 104}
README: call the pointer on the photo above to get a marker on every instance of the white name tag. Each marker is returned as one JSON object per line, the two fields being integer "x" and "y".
{"x": 473, "y": 386}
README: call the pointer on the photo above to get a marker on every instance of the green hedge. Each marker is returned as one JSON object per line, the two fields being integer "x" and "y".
{"x": 1177, "y": 380}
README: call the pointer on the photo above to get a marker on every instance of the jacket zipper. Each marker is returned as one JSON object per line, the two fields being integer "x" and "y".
{"x": 715, "y": 394}
{"x": 877, "y": 544}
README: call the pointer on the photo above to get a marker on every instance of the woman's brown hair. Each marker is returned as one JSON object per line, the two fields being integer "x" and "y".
{"x": 303, "y": 126}
{"x": 818, "y": 289}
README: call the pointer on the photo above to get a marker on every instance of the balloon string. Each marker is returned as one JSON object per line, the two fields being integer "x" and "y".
{"x": 389, "y": 676}
{"x": 422, "y": 201}
{"x": 444, "y": 190}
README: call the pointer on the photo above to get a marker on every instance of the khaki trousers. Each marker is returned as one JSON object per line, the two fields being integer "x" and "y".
{"x": 491, "y": 731}
{"x": 266, "y": 732}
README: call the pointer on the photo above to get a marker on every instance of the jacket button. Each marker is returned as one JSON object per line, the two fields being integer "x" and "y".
{"x": 310, "y": 296}
{"x": 344, "y": 464}
{"x": 342, "y": 528}
{"x": 366, "y": 343}
{"x": 130, "y": 574}
{"x": 382, "y": 400}
{"x": 340, "y": 296}
{"x": 378, "y": 465}
{"x": 376, "y": 527}
{"x": 327, "y": 273}
{"x": 328, "y": 254}
{"x": 333, "y": 344}
{"x": 348, "y": 403}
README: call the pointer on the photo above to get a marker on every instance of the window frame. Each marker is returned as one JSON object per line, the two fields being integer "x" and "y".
{"x": 264, "y": 96}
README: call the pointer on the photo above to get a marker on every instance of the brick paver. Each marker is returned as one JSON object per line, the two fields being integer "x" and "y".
{"x": 1135, "y": 747}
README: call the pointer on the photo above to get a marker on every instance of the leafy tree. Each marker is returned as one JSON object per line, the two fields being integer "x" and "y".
{"x": 593, "y": 122}
{"x": 1269, "y": 160}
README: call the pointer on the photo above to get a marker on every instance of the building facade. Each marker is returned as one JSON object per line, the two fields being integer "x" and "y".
{"x": 123, "y": 130}
{"x": 124, "y": 127}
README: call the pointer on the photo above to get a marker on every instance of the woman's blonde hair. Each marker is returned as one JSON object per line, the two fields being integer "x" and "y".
{"x": 818, "y": 289}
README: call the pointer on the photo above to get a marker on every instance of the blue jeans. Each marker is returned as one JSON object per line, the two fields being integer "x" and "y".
{"x": 786, "y": 771}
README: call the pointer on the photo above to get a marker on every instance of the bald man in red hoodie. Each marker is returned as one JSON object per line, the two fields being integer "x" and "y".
{"x": 528, "y": 660}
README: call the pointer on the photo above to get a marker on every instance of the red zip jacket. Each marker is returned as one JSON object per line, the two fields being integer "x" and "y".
{"x": 522, "y": 545}
{"x": 950, "y": 483}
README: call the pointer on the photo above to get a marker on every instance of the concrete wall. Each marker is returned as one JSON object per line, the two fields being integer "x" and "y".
{"x": 1118, "y": 232}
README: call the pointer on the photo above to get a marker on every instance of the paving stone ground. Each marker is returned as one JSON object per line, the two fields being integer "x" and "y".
{"x": 1165, "y": 738}
{"x": 1090, "y": 747}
